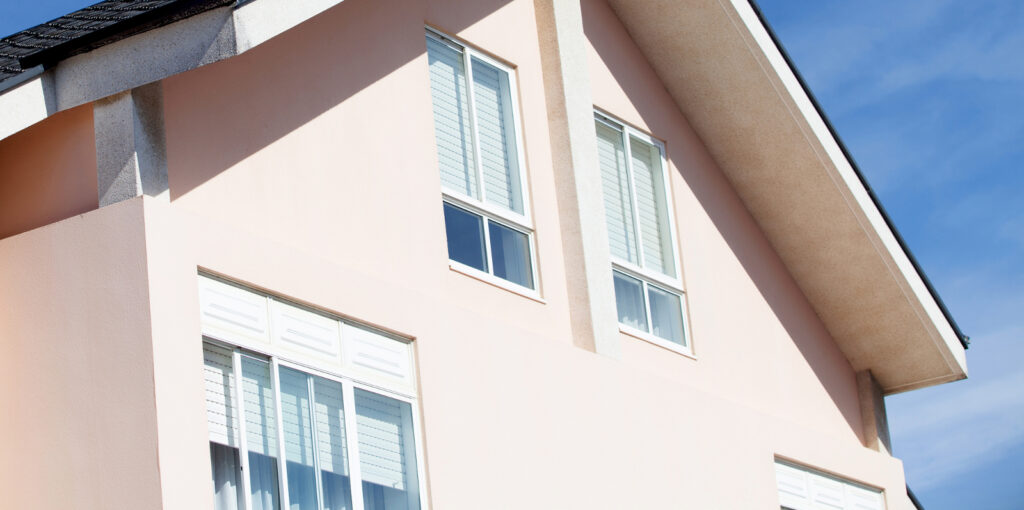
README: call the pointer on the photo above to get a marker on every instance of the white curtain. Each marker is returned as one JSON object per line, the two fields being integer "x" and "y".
{"x": 227, "y": 491}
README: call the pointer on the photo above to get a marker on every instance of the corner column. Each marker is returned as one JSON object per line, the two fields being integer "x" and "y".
{"x": 872, "y": 413}
{"x": 131, "y": 153}
{"x": 570, "y": 108}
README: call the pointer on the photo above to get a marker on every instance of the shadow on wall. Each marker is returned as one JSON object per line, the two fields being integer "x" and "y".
{"x": 721, "y": 203}
{"x": 249, "y": 101}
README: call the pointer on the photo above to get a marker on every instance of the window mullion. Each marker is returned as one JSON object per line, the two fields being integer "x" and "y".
{"x": 348, "y": 401}
{"x": 487, "y": 244}
{"x": 637, "y": 235}
{"x": 647, "y": 305}
{"x": 317, "y": 476}
{"x": 282, "y": 471}
{"x": 477, "y": 156}
{"x": 243, "y": 447}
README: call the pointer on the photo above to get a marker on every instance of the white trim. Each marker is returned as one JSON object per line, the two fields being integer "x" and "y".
{"x": 243, "y": 447}
{"x": 314, "y": 435}
{"x": 520, "y": 222}
{"x": 355, "y": 471}
{"x": 501, "y": 283}
{"x": 282, "y": 471}
{"x": 660, "y": 342}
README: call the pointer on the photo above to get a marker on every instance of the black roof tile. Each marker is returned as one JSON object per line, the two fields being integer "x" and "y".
{"x": 90, "y": 28}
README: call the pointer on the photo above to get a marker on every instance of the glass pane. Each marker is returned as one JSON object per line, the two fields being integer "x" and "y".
{"x": 465, "y": 237}
{"x": 331, "y": 446}
{"x": 227, "y": 488}
{"x": 510, "y": 253}
{"x": 629, "y": 299}
{"x": 452, "y": 128}
{"x": 618, "y": 198}
{"x": 260, "y": 433}
{"x": 666, "y": 315}
{"x": 298, "y": 440}
{"x": 497, "y": 137}
{"x": 387, "y": 453}
{"x": 652, "y": 207}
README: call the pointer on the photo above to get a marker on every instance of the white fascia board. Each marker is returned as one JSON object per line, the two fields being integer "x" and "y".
{"x": 23, "y": 106}
{"x": 858, "y": 199}
{"x": 259, "y": 21}
{"x": 151, "y": 56}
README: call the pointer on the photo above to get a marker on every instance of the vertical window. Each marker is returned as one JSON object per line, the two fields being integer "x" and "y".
{"x": 342, "y": 447}
{"x": 480, "y": 158}
{"x": 641, "y": 238}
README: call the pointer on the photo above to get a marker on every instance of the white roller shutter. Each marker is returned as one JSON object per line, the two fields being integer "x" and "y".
{"x": 385, "y": 455}
{"x": 260, "y": 411}
{"x": 493, "y": 107}
{"x": 221, "y": 410}
{"x": 648, "y": 176}
{"x": 330, "y": 426}
{"x": 618, "y": 199}
{"x": 452, "y": 127}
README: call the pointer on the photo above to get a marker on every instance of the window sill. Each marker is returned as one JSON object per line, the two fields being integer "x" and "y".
{"x": 659, "y": 342}
{"x": 490, "y": 279}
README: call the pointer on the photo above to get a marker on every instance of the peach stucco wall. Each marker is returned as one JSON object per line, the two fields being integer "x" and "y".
{"x": 48, "y": 172}
{"x": 77, "y": 366}
{"x": 307, "y": 167}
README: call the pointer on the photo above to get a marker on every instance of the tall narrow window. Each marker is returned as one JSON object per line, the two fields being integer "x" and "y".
{"x": 478, "y": 150}
{"x": 306, "y": 421}
{"x": 648, "y": 289}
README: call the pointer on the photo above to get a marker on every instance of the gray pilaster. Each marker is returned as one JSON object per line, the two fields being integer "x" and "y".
{"x": 577, "y": 176}
{"x": 131, "y": 153}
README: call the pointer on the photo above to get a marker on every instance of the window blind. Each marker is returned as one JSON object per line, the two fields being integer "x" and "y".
{"x": 492, "y": 99}
{"x": 260, "y": 411}
{"x": 382, "y": 445}
{"x": 330, "y": 426}
{"x": 618, "y": 200}
{"x": 452, "y": 127}
{"x": 221, "y": 417}
{"x": 652, "y": 207}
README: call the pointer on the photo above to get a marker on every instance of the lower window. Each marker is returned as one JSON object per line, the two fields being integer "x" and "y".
{"x": 307, "y": 442}
{"x": 649, "y": 308}
{"x": 487, "y": 245}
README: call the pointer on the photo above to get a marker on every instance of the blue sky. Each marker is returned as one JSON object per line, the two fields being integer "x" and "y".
{"x": 929, "y": 98}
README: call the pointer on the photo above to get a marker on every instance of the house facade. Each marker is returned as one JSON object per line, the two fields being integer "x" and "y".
{"x": 416, "y": 254}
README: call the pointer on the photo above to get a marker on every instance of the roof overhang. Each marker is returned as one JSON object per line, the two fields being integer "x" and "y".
{"x": 736, "y": 88}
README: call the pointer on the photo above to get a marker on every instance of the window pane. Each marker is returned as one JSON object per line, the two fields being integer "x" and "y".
{"x": 494, "y": 121}
{"x": 331, "y": 446}
{"x": 260, "y": 433}
{"x": 465, "y": 237}
{"x": 510, "y": 253}
{"x": 652, "y": 207}
{"x": 629, "y": 299}
{"x": 298, "y": 440}
{"x": 666, "y": 315}
{"x": 618, "y": 199}
{"x": 227, "y": 488}
{"x": 452, "y": 128}
{"x": 387, "y": 453}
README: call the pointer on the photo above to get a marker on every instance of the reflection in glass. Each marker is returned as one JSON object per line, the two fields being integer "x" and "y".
{"x": 666, "y": 315}
{"x": 629, "y": 300}
{"x": 510, "y": 253}
{"x": 298, "y": 440}
{"x": 465, "y": 232}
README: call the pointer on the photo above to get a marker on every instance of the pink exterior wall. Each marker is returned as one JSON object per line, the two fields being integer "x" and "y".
{"x": 307, "y": 167}
{"x": 77, "y": 368}
{"x": 48, "y": 172}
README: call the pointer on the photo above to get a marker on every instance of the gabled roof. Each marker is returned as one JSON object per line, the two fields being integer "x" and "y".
{"x": 89, "y": 28}
{"x": 719, "y": 62}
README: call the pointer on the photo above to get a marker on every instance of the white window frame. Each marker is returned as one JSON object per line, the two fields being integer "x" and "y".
{"x": 521, "y": 223}
{"x": 348, "y": 384}
{"x": 647, "y": 277}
